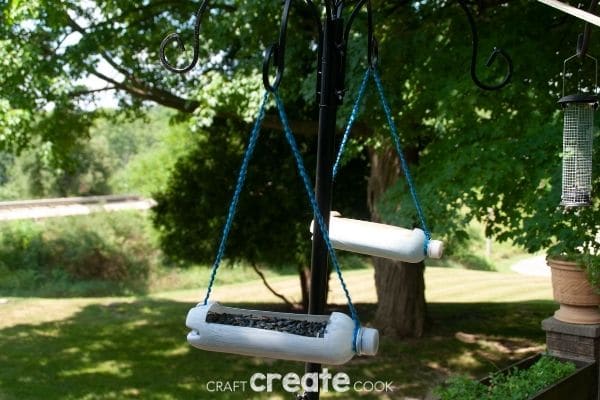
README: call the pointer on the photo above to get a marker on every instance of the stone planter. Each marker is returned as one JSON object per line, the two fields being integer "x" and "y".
{"x": 577, "y": 298}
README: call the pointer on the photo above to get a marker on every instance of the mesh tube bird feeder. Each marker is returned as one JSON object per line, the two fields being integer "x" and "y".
{"x": 578, "y": 133}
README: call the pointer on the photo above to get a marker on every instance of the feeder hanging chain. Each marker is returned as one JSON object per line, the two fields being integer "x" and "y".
{"x": 494, "y": 54}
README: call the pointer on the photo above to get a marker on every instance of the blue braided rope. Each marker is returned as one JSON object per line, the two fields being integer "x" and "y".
{"x": 318, "y": 216}
{"x": 351, "y": 120}
{"x": 238, "y": 191}
{"x": 396, "y": 138}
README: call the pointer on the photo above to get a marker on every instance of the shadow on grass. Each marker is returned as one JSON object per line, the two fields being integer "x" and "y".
{"x": 67, "y": 288}
{"x": 138, "y": 350}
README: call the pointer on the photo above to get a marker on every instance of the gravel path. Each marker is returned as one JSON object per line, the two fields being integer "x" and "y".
{"x": 52, "y": 208}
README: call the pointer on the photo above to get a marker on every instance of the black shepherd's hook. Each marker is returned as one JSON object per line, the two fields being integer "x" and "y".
{"x": 276, "y": 52}
{"x": 497, "y": 51}
{"x": 175, "y": 38}
{"x": 372, "y": 48}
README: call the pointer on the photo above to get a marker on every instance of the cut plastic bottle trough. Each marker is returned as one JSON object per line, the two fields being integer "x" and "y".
{"x": 380, "y": 240}
{"x": 322, "y": 339}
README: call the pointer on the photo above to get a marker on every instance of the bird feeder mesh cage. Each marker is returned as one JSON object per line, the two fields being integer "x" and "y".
{"x": 577, "y": 153}
{"x": 578, "y": 133}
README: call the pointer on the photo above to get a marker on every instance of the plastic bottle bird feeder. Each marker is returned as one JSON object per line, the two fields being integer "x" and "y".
{"x": 321, "y": 339}
{"x": 578, "y": 134}
{"x": 380, "y": 240}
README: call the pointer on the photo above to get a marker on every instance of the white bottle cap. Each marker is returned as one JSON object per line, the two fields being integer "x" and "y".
{"x": 368, "y": 342}
{"x": 435, "y": 249}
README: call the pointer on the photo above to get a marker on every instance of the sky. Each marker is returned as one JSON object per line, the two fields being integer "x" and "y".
{"x": 104, "y": 99}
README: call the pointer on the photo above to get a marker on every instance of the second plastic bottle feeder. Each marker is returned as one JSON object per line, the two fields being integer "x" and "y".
{"x": 380, "y": 240}
{"x": 321, "y": 339}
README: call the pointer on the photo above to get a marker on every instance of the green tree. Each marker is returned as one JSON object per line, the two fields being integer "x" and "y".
{"x": 271, "y": 224}
{"x": 36, "y": 174}
{"x": 116, "y": 158}
{"x": 493, "y": 154}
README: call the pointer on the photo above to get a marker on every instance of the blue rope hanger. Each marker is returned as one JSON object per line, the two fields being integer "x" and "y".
{"x": 395, "y": 137}
{"x": 352, "y": 120}
{"x": 237, "y": 193}
{"x": 255, "y": 133}
{"x": 311, "y": 196}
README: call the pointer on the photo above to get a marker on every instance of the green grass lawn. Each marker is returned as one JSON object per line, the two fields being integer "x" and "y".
{"x": 134, "y": 347}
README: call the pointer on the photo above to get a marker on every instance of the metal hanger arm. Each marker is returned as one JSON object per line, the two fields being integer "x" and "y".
{"x": 576, "y": 12}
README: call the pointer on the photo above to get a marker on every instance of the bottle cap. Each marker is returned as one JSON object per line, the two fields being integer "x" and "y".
{"x": 368, "y": 342}
{"x": 435, "y": 249}
{"x": 332, "y": 214}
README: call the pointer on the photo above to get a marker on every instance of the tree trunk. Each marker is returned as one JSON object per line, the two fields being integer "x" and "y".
{"x": 401, "y": 305}
{"x": 269, "y": 287}
{"x": 401, "y": 309}
{"x": 304, "y": 274}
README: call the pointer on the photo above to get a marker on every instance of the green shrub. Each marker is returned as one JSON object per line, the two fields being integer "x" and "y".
{"x": 121, "y": 155}
{"x": 100, "y": 251}
{"x": 515, "y": 385}
{"x": 21, "y": 246}
{"x": 95, "y": 251}
{"x": 273, "y": 214}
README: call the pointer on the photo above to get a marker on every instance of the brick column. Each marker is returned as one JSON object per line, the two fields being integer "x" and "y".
{"x": 573, "y": 341}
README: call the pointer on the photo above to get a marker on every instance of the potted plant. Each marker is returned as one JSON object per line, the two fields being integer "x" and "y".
{"x": 574, "y": 259}
{"x": 571, "y": 238}
{"x": 540, "y": 377}
{"x": 575, "y": 270}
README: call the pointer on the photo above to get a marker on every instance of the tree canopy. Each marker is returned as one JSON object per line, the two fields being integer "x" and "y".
{"x": 494, "y": 156}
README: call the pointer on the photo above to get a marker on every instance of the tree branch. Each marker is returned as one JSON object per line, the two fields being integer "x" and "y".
{"x": 159, "y": 96}
{"x": 145, "y": 91}
{"x": 101, "y": 51}
{"x": 79, "y": 93}
{"x": 269, "y": 287}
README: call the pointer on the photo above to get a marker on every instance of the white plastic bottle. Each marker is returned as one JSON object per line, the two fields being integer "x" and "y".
{"x": 334, "y": 348}
{"x": 381, "y": 240}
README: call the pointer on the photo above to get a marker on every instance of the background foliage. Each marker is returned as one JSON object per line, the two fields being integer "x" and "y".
{"x": 492, "y": 156}
{"x": 92, "y": 255}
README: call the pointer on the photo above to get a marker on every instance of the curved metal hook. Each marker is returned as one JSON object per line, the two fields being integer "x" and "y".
{"x": 276, "y": 52}
{"x": 495, "y": 52}
{"x": 175, "y": 38}
{"x": 373, "y": 51}
{"x": 373, "y": 48}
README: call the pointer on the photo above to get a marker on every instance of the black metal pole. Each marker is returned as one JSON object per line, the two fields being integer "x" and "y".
{"x": 330, "y": 93}
{"x": 331, "y": 67}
